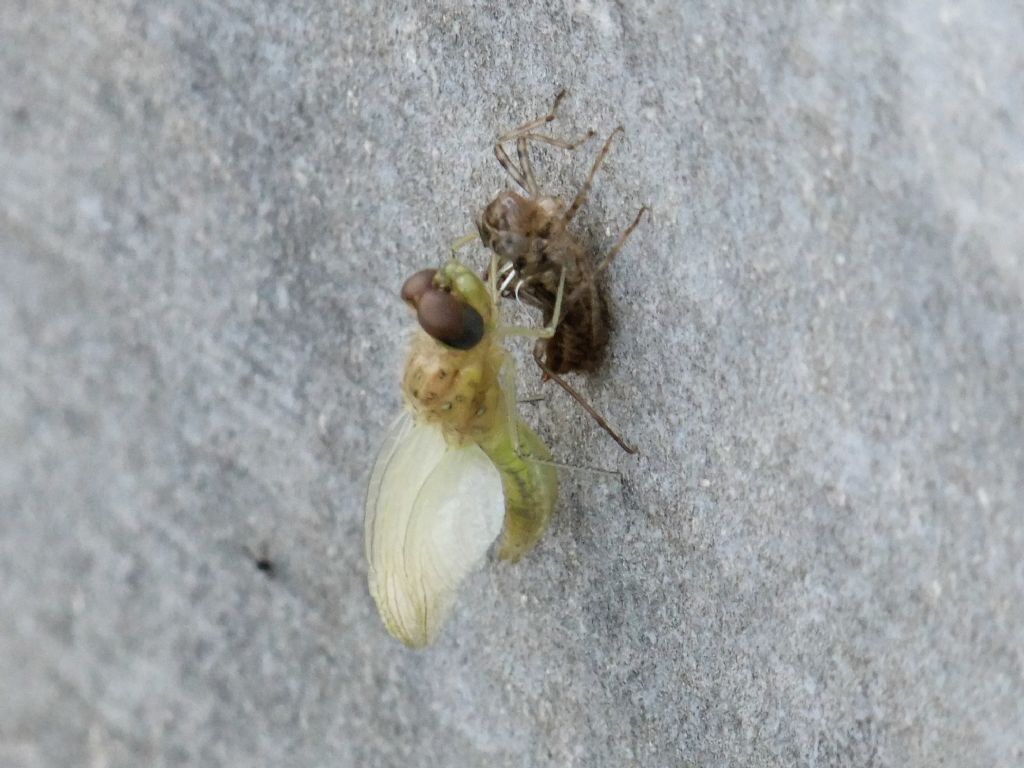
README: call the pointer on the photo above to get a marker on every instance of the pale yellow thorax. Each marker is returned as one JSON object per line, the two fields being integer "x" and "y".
{"x": 459, "y": 390}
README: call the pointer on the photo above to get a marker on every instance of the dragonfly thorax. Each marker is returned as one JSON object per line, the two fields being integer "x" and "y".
{"x": 457, "y": 389}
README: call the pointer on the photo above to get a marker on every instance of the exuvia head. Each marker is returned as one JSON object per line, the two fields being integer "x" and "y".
{"x": 501, "y": 225}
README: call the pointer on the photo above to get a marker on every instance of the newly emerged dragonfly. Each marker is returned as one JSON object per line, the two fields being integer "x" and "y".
{"x": 537, "y": 252}
{"x": 458, "y": 466}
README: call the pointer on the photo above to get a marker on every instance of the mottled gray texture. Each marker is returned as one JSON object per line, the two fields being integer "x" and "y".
{"x": 818, "y": 557}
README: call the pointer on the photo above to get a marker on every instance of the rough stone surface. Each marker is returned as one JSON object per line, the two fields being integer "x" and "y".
{"x": 206, "y": 210}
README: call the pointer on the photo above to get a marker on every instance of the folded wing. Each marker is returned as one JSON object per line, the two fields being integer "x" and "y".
{"x": 431, "y": 514}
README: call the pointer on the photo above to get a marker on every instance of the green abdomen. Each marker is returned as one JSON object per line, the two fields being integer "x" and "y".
{"x": 531, "y": 489}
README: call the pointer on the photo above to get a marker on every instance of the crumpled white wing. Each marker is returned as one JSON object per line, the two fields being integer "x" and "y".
{"x": 431, "y": 514}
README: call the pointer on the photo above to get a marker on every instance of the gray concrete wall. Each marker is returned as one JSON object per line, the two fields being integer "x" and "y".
{"x": 206, "y": 210}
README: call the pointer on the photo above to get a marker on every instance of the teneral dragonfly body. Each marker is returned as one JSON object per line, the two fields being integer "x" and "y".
{"x": 459, "y": 467}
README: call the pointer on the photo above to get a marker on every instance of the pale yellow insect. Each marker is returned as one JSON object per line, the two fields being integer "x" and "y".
{"x": 458, "y": 467}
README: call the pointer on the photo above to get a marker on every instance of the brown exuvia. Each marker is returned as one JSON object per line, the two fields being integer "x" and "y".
{"x": 537, "y": 253}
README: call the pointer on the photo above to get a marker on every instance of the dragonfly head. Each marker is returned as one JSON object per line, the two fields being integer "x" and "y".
{"x": 452, "y": 304}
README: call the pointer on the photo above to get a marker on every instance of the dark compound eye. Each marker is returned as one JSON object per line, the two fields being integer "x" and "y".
{"x": 449, "y": 321}
{"x": 417, "y": 285}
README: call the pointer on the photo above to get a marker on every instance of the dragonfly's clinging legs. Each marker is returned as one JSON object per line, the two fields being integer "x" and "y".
{"x": 537, "y": 122}
{"x": 523, "y": 173}
{"x": 607, "y": 260}
{"x": 548, "y": 330}
{"x": 621, "y": 241}
{"x": 538, "y": 356}
{"x": 463, "y": 241}
{"x": 508, "y": 386}
{"x": 510, "y": 168}
{"x": 581, "y": 196}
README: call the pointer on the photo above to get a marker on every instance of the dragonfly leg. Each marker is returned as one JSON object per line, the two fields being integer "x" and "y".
{"x": 543, "y": 138}
{"x": 589, "y": 283}
{"x": 463, "y": 241}
{"x": 510, "y": 167}
{"x": 538, "y": 356}
{"x": 620, "y": 242}
{"x": 523, "y": 173}
{"x": 573, "y": 467}
{"x": 508, "y": 386}
{"x": 492, "y": 279}
{"x": 581, "y": 196}
{"x": 548, "y": 330}
{"x": 523, "y": 151}
{"x": 537, "y": 122}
